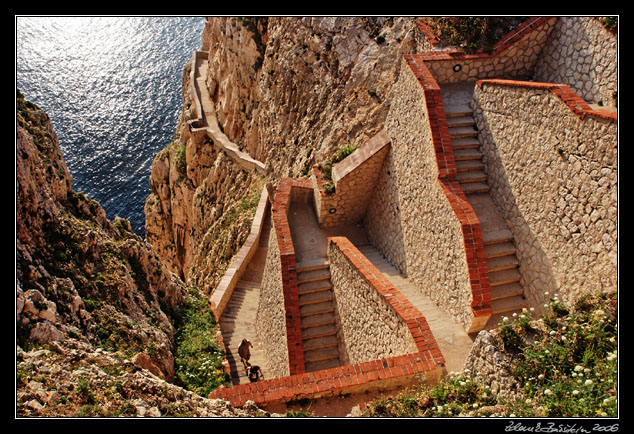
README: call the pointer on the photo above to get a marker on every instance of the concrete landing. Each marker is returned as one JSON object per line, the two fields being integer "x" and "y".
{"x": 492, "y": 225}
{"x": 309, "y": 240}
{"x": 452, "y": 339}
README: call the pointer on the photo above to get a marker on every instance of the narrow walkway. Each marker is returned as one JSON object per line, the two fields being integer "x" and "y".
{"x": 311, "y": 245}
{"x": 209, "y": 122}
{"x": 238, "y": 320}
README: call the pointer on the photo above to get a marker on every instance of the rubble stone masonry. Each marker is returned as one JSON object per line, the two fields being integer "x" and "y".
{"x": 410, "y": 219}
{"x": 552, "y": 169}
{"x": 582, "y": 54}
{"x": 270, "y": 319}
{"x": 370, "y": 328}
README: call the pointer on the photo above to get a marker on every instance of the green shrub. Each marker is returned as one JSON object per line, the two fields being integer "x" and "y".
{"x": 565, "y": 364}
{"x": 326, "y": 168}
{"x": 180, "y": 160}
{"x": 198, "y": 358}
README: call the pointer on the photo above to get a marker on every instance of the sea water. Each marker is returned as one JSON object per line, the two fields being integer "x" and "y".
{"x": 112, "y": 89}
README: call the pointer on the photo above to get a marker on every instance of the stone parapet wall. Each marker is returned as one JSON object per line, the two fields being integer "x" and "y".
{"x": 223, "y": 291}
{"x": 584, "y": 55}
{"x": 552, "y": 168}
{"x": 417, "y": 195}
{"x": 354, "y": 178}
{"x": 369, "y": 327}
{"x": 270, "y": 320}
{"x": 514, "y": 56}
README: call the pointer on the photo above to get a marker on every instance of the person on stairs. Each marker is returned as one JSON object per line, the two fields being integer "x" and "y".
{"x": 255, "y": 373}
{"x": 245, "y": 353}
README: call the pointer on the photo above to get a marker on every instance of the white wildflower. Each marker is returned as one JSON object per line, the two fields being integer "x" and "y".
{"x": 548, "y": 392}
{"x": 575, "y": 392}
{"x": 588, "y": 383}
{"x": 578, "y": 368}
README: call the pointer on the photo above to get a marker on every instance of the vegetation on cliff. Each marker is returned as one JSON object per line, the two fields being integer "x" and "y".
{"x": 102, "y": 327}
{"x": 470, "y": 34}
{"x": 564, "y": 365}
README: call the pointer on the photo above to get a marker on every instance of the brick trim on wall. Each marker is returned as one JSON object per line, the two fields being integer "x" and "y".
{"x": 279, "y": 220}
{"x": 384, "y": 373}
{"x": 374, "y": 375}
{"x": 470, "y": 224}
{"x": 416, "y": 322}
{"x": 563, "y": 91}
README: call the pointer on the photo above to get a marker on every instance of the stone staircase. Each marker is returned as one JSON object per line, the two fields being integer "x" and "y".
{"x": 237, "y": 322}
{"x": 318, "y": 317}
{"x": 507, "y": 295}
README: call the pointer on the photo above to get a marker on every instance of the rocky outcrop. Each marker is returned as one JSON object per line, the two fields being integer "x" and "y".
{"x": 72, "y": 378}
{"x": 80, "y": 275}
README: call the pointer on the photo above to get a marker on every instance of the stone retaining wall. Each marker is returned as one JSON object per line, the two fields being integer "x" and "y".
{"x": 370, "y": 328}
{"x": 270, "y": 319}
{"x": 354, "y": 178}
{"x": 552, "y": 169}
{"x": 514, "y": 56}
{"x": 584, "y": 55}
{"x": 419, "y": 217}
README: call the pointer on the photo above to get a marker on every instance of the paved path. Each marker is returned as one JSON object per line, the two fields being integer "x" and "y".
{"x": 452, "y": 339}
{"x": 238, "y": 320}
{"x": 209, "y": 122}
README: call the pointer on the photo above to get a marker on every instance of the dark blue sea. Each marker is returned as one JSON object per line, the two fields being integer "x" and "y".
{"x": 112, "y": 88}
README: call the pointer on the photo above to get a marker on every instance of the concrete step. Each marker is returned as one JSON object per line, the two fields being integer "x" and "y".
{"x": 469, "y": 165}
{"x": 314, "y": 286}
{"x": 316, "y": 309}
{"x": 499, "y": 249}
{"x": 320, "y": 342}
{"x": 461, "y": 132}
{"x": 321, "y": 365}
{"x": 505, "y": 291}
{"x": 471, "y": 176}
{"x": 312, "y": 264}
{"x": 497, "y": 237}
{"x": 458, "y": 110}
{"x": 500, "y": 263}
{"x": 315, "y": 297}
{"x": 465, "y": 143}
{"x": 503, "y": 277}
{"x": 318, "y": 320}
{"x": 315, "y": 332}
{"x": 467, "y": 154}
{"x": 474, "y": 187}
{"x": 459, "y": 121}
{"x": 313, "y": 275}
{"x": 317, "y": 355}
{"x": 508, "y": 304}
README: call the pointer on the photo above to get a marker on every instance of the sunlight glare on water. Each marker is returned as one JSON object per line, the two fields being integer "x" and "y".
{"x": 112, "y": 88}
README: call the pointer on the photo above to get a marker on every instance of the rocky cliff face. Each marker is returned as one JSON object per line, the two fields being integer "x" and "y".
{"x": 94, "y": 305}
{"x": 289, "y": 91}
